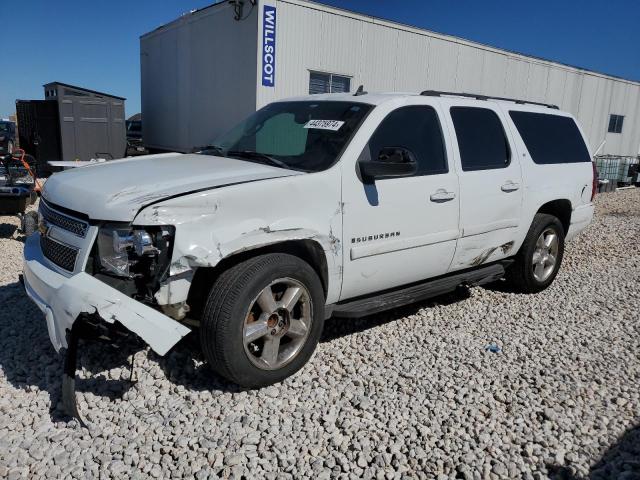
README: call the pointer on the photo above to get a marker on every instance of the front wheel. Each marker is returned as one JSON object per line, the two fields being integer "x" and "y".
{"x": 538, "y": 261}
{"x": 263, "y": 319}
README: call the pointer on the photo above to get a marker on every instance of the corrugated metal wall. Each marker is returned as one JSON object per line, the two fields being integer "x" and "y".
{"x": 389, "y": 57}
{"x": 198, "y": 77}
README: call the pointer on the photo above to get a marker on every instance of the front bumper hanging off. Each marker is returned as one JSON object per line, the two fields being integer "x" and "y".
{"x": 69, "y": 403}
{"x": 87, "y": 327}
{"x": 66, "y": 299}
{"x": 63, "y": 299}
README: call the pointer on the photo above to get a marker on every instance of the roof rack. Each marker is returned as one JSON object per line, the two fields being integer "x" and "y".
{"x": 360, "y": 91}
{"x": 436, "y": 93}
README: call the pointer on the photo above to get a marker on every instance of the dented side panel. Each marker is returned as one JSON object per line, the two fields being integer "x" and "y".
{"x": 486, "y": 248}
{"x": 216, "y": 224}
{"x": 491, "y": 200}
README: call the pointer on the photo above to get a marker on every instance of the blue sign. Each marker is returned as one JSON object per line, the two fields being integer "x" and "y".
{"x": 269, "y": 46}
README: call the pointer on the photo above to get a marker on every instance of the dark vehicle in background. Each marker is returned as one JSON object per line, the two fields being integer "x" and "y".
{"x": 134, "y": 136}
{"x": 7, "y": 136}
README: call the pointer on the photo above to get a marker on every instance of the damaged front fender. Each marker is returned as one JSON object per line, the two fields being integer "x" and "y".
{"x": 214, "y": 225}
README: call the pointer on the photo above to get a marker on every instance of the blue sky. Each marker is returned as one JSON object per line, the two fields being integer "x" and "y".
{"x": 95, "y": 44}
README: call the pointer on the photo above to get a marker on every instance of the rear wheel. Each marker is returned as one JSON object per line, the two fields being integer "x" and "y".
{"x": 538, "y": 261}
{"x": 263, "y": 319}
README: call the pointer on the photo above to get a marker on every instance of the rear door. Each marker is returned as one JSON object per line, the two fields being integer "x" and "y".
{"x": 400, "y": 230}
{"x": 490, "y": 183}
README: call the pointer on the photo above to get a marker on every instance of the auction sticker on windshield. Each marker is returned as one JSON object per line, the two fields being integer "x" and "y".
{"x": 324, "y": 124}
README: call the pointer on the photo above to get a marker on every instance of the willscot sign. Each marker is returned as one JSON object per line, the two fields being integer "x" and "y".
{"x": 269, "y": 46}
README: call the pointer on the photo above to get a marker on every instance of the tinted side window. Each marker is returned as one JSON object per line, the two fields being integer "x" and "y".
{"x": 416, "y": 128}
{"x": 551, "y": 138}
{"x": 481, "y": 139}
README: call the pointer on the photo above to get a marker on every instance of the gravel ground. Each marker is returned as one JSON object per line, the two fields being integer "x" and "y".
{"x": 411, "y": 393}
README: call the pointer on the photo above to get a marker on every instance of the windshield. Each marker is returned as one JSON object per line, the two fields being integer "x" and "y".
{"x": 305, "y": 136}
{"x": 4, "y": 127}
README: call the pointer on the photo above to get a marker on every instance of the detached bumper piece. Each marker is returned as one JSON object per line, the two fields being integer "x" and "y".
{"x": 87, "y": 327}
{"x": 69, "y": 403}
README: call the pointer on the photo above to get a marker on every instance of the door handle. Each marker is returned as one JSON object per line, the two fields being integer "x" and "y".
{"x": 441, "y": 195}
{"x": 510, "y": 186}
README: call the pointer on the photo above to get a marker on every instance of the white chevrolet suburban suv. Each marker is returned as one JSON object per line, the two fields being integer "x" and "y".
{"x": 326, "y": 205}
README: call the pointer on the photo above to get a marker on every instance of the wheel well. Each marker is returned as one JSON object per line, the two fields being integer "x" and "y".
{"x": 561, "y": 209}
{"x": 307, "y": 250}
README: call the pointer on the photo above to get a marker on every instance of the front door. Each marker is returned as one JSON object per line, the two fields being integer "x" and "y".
{"x": 400, "y": 230}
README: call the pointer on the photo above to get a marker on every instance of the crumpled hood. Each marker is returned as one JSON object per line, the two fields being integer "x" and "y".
{"x": 118, "y": 189}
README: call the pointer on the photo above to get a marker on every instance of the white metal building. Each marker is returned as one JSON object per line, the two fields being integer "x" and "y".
{"x": 210, "y": 68}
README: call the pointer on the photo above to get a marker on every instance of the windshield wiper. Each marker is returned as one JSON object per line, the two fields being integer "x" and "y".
{"x": 216, "y": 148}
{"x": 251, "y": 155}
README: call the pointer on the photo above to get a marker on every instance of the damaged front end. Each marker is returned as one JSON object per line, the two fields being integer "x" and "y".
{"x": 106, "y": 273}
{"x": 137, "y": 261}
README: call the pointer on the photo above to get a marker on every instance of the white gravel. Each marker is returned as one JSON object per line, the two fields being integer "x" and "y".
{"x": 411, "y": 393}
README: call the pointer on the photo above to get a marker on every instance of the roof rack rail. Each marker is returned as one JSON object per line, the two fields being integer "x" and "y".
{"x": 360, "y": 91}
{"x": 437, "y": 93}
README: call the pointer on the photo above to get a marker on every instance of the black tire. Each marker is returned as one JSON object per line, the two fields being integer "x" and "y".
{"x": 520, "y": 275}
{"x": 228, "y": 307}
{"x": 29, "y": 223}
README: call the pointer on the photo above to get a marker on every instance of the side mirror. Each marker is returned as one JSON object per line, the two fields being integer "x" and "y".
{"x": 392, "y": 162}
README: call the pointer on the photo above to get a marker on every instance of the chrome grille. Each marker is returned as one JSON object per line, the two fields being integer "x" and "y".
{"x": 60, "y": 254}
{"x": 73, "y": 225}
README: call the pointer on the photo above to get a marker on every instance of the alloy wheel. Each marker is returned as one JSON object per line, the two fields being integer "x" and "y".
{"x": 277, "y": 324}
{"x": 545, "y": 255}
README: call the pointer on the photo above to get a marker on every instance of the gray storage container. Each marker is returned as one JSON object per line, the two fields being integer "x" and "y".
{"x": 91, "y": 123}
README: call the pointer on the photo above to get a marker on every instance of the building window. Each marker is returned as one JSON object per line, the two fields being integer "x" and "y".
{"x": 615, "y": 123}
{"x": 328, "y": 83}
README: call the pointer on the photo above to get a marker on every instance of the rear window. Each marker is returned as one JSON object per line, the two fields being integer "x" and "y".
{"x": 551, "y": 138}
{"x": 481, "y": 139}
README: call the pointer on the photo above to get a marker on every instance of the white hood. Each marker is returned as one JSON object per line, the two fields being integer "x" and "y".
{"x": 118, "y": 189}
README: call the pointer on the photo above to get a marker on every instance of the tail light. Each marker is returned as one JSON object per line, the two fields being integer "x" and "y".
{"x": 594, "y": 187}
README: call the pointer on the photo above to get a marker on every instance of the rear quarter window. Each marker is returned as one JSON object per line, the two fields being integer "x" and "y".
{"x": 551, "y": 139}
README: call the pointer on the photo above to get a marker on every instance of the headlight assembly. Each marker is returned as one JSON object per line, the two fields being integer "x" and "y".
{"x": 120, "y": 249}
{"x": 143, "y": 243}
{"x": 112, "y": 251}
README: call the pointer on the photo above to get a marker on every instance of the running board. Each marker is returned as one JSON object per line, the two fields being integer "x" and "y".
{"x": 379, "y": 302}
